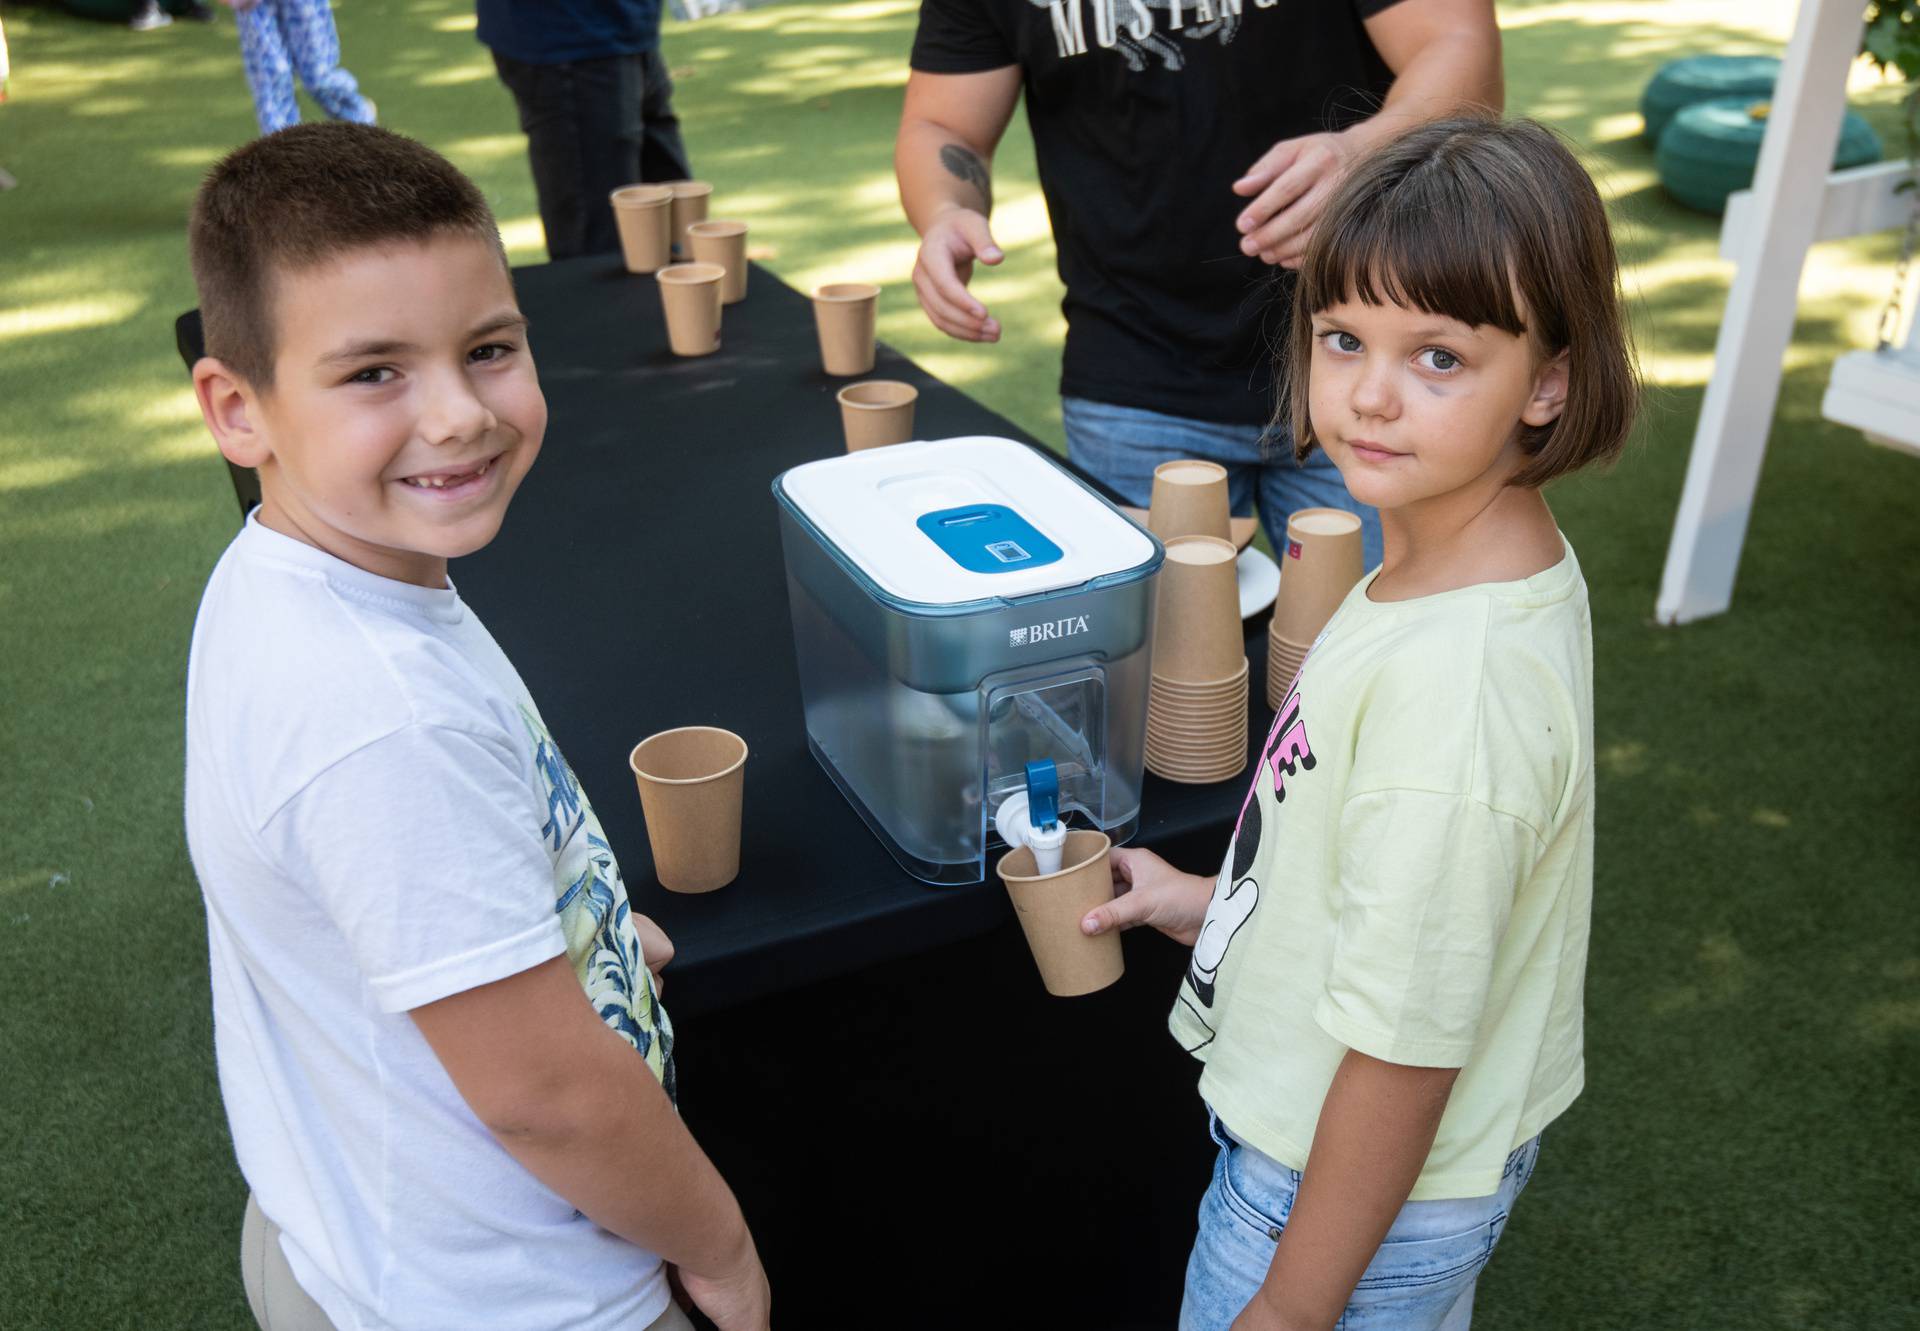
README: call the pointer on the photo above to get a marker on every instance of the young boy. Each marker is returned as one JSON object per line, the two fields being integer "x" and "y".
{"x": 445, "y": 1068}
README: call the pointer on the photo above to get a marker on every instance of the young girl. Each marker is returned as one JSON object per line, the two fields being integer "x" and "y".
{"x": 1385, "y": 990}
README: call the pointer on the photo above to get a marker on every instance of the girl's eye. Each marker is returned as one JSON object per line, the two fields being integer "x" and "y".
{"x": 373, "y": 374}
{"x": 491, "y": 352}
{"x": 1435, "y": 358}
{"x": 1340, "y": 340}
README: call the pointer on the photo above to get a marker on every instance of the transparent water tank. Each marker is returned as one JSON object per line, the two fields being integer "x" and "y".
{"x": 962, "y": 607}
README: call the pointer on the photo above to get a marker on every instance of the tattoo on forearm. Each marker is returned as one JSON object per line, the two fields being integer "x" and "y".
{"x": 964, "y": 163}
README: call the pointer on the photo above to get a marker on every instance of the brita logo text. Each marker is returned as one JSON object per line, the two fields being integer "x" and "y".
{"x": 1058, "y": 628}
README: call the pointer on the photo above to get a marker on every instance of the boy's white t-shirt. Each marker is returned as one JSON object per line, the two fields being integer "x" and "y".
{"x": 379, "y": 819}
{"x": 1412, "y": 876}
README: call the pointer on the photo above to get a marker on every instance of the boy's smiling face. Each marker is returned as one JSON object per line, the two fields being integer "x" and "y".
{"x": 404, "y": 411}
{"x": 1415, "y": 407}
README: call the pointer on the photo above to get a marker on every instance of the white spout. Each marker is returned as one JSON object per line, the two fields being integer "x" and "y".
{"x": 1016, "y": 828}
{"x": 1047, "y": 843}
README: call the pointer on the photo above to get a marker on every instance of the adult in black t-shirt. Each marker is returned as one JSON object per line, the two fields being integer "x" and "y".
{"x": 1185, "y": 148}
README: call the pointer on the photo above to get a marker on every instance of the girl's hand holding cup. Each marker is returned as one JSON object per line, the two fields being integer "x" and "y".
{"x": 1148, "y": 890}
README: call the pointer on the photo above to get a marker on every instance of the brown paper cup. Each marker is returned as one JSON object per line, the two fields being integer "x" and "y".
{"x": 844, "y": 314}
{"x": 1189, "y": 499}
{"x": 1197, "y": 634}
{"x": 1319, "y": 566}
{"x": 724, "y": 243}
{"x": 691, "y": 781}
{"x": 876, "y": 413}
{"x": 690, "y": 295}
{"x": 689, "y": 206}
{"x": 644, "y": 213}
{"x": 1051, "y": 907}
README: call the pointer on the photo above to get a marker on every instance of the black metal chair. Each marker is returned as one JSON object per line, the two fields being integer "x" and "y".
{"x": 191, "y": 340}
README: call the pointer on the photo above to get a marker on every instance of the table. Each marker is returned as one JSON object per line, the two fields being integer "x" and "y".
{"x": 638, "y": 585}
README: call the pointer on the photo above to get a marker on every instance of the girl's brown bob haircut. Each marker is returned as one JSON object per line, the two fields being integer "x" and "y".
{"x": 1492, "y": 223}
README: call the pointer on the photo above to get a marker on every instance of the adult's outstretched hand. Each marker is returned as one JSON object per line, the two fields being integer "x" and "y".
{"x": 948, "y": 251}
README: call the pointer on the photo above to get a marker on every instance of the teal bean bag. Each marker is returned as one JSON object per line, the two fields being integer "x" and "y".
{"x": 1711, "y": 148}
{"x": 1703, "y": 78}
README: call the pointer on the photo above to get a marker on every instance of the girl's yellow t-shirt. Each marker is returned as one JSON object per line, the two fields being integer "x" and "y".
{"x": 1412, "y": 876}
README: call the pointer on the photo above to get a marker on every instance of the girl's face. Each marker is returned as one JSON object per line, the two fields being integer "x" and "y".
{"x": 1414, "y": 407}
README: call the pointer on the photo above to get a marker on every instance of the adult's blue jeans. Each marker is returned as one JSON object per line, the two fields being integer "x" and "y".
{"x": 1122, "y": 446}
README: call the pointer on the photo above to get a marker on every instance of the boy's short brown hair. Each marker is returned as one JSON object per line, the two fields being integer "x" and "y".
{"x": 303, "y": 196}
{"x": 1492, "y": 223}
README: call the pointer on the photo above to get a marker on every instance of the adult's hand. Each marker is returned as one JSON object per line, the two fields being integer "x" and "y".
{"x": 1150, "y": 891}
{"x": 944, "y": 267}
{"x": 1290, "y": 186}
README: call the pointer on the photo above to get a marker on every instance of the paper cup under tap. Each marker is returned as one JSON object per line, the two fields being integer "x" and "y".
{"x": 691, "y": 783}
{"x": 1051, "y": 906}
{"x": 877, "y": 412}
{"x": 644, "y": 214}
{"x": 1189, "y": 499}
{"x": 844, "y": 314}
{"x": 724, "y": 243}
{"x": 1318, "y": 567}
{"x": 690, "y": 296}
{"x": 1197, "y": 629}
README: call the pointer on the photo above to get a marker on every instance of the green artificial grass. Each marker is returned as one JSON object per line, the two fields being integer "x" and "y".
{"x": 1747, "y": 1153}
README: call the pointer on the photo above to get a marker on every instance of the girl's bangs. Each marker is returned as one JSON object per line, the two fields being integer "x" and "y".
{"x": 1419, "y": 249}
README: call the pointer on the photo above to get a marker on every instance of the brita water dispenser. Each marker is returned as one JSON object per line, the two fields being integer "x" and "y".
{"x": 962, "y": 608}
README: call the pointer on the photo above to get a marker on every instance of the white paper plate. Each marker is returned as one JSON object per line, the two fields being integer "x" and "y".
{"x": 1259, "y": 582}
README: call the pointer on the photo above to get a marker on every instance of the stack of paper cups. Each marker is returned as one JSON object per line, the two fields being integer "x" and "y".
{"x": 1189, "y": 499}
{"x": 1197, "y": 705}
{"x": 1319, "y": 566}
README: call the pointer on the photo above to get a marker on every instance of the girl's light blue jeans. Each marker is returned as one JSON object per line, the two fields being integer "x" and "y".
{"x": 1122, "y": 446}
{"x": 1422, "y": 1278}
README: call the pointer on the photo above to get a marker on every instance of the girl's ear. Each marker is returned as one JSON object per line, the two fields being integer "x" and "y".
{"x": 1549, "y": 393}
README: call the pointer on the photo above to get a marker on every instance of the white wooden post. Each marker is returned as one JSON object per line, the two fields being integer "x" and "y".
{"x": 1788, "y": 193}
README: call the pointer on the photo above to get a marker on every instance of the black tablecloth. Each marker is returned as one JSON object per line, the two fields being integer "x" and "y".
{"x": 638, "y": 585}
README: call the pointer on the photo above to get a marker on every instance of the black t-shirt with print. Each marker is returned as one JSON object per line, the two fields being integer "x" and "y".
{"x": 1144, "y": 113}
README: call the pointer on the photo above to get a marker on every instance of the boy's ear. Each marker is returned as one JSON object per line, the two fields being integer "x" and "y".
{"x": 230, "y": 407}
{"x": 1549, "y": 393}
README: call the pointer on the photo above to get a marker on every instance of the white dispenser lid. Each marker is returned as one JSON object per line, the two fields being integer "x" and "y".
{"x": 869, "y": 504}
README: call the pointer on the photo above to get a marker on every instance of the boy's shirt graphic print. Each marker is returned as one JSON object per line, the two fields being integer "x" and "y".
{"x": 591, "y": 900}
{"x": 1236, "y": 892}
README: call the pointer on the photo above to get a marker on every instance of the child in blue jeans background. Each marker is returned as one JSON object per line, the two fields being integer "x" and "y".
{"x": 1386, "y": 984}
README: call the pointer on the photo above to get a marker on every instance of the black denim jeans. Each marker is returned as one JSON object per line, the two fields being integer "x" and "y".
{"x": 593, "y": 126}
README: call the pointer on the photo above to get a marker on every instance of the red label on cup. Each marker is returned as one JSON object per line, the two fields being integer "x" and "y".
{"x": 1293, "y": 549}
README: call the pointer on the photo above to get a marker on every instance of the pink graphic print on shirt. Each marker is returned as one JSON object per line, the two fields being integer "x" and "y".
{"x": 1237, "y": 893}
{"x": 1287, "y": 753}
